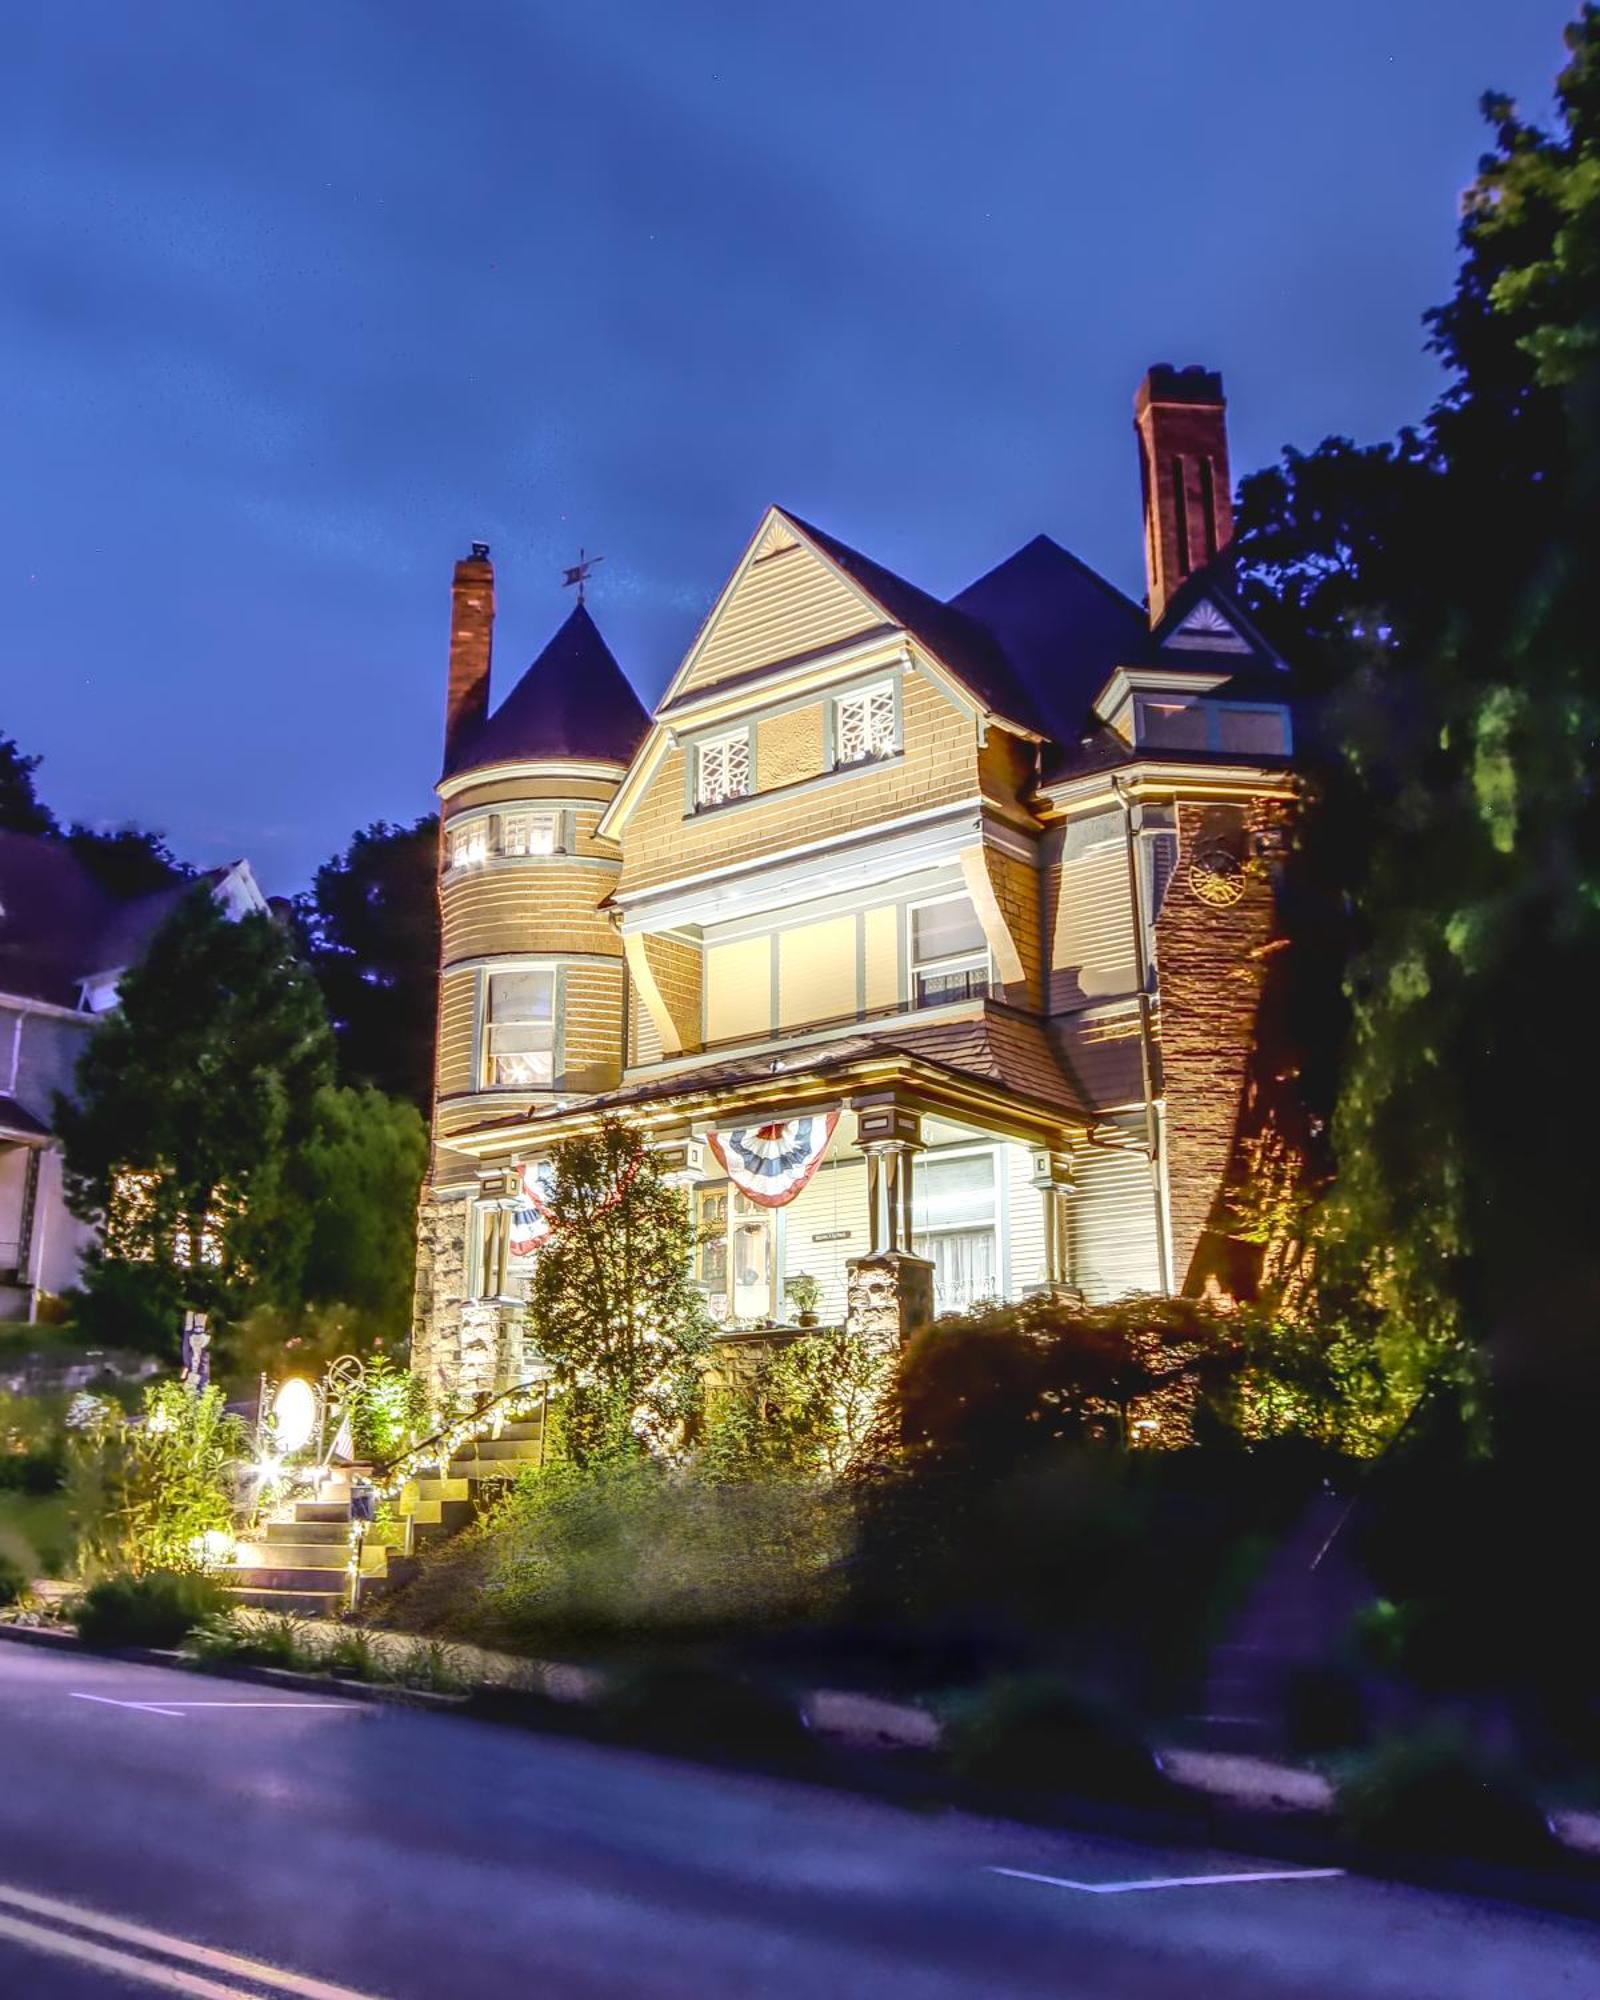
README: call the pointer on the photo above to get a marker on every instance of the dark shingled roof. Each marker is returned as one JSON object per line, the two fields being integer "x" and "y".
{"x": 574, "y": 701}
{"x": 58, "y": 926}
{"x": 1064, "y": 630}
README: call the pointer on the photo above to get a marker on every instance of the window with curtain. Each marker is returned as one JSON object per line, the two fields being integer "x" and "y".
{"x": 520, "y": 1030}
{"x": 954, "y": 1222}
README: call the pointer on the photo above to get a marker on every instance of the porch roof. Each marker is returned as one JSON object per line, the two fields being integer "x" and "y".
{"x": 1001, "y": 1069}
{"x": 18, "y": 1124}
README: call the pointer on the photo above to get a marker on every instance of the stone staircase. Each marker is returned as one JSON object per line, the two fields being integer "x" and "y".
{"x": 299, "y": 1560}
{"x": 1300, "y": 1606}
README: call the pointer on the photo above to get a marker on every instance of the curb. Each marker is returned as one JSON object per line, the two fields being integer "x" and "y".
{"x": 1568, "y": 1887}
{"x": 373, "y": 1692}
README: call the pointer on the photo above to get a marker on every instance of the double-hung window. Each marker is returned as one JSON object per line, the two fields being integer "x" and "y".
{"x": 519, "y": 1030}
{"x": 469, "y": 845}
{"x": 949, "y": 953}
{"x": 864, "y": 725}
{"x": 530, "y": 832}
{"x": 722, "y": 768}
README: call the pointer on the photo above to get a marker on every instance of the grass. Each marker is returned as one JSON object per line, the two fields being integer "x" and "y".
{"x": 259, "y": 1639}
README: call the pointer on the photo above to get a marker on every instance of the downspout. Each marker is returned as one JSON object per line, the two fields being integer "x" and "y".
{"x": 1149, "y": 1059}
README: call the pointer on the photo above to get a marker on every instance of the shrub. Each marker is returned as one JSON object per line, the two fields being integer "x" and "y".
{"x": 147, "y": 1491}
{"x": 157, "y": 1608}
{"x": 1325, "y": 1708}
{"x": 278, "y": 1640}
{"x": 1439, "y": 1792}
{"x": 704, "y": 1712}
{"x": 13, "y": 1581}
{"x": 1035, "y": 1735}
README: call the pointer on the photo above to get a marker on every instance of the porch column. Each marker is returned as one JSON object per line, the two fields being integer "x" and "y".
{"x": 890, "y": 1291}
{"x": 1052, "y": 1176}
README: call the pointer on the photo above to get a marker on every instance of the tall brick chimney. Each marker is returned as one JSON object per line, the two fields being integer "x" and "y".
{"x": 471, "y": 641}
{"x": 1182, "y": 420}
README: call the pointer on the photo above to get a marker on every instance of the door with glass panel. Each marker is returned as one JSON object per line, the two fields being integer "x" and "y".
{"x": 956, "y": 1226}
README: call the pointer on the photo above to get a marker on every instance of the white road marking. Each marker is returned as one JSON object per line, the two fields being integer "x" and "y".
{"x": 147, "y": 1707}
{"x": 181, "y": 1708}
{"x": 173, "y": 1978}
{"x": 1169, "y": 1881}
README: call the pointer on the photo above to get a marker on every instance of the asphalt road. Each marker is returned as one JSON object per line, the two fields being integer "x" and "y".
{"x": 339, "y": 1850}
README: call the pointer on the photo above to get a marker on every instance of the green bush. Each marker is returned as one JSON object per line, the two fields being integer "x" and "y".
{"x": 704, "y": 1712}
{"x": 1035, "y": 1735}
{"x": 1325, "y": 1709}
{"x": 13, "y": 1581}
{"x": 157, "y": 1608}
{"x": 1438, "y": 1792}
{"x": 278, "y": 1640}
{"x": 147, "y": 1491}
{"x": 624, "y": 1549}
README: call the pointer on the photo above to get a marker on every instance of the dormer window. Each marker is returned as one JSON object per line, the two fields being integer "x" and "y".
{"x": 722, "y": 768}
{"x": 865, "y": 726}
{"x": 469, "y": 845}
{"x": 530, "y": 833}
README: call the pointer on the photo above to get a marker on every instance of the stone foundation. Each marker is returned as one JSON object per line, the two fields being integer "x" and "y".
{"x": 462, "y": 1348}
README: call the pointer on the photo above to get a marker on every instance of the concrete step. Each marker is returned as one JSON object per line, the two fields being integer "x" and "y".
{"x": 432, "y": 1487}
{"x": 330, "y": 1556}
{"x": 523, "y": 1451}
{"x": 529, "y": 1427}
{"x": 334, "y": 1533}
{"x": 318, "y": 1580}
{"x": 322, "y": 1510}
{"x": 476, "y": 1469}
{"x": 296, "y": 1603}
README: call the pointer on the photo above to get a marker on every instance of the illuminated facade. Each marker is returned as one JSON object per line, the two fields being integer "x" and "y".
{"x": 923, "y": 938}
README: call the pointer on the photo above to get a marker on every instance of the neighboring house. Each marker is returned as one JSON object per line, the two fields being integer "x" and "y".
{"x": 924, "y": 939}
{"x": 64, "y": 946}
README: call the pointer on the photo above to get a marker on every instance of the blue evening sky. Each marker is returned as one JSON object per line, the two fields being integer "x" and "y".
{"x": 302, "y": 296}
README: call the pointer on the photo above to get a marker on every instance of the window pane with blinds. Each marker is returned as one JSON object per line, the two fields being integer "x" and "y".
{"x": 521, "y": 1030}
{"x": 723, "y": 769}
{"x": 864, "y": 724}
{"x": 949, "y": 953}
{"x": 953, "y": 1194}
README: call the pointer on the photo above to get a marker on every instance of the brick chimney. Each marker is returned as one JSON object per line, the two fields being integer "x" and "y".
{"x": 1182, "y": 420}
{"x": 471, "y": 641}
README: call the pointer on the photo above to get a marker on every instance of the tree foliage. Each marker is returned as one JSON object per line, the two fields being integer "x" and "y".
{"x": 1455, "y": 842}
{"x": 146, "y": 1490}
{"x": 194, "y": 1099}
{"x": 611, "y": 1304}
{"x": 21, "y": 808}
{"x": 371, "y": 923}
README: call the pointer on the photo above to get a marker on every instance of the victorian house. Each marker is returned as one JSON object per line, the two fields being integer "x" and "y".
{"x": 923, "y": 938}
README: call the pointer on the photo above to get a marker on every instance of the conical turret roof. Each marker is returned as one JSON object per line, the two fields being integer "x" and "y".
{"x": 574, "y": 701}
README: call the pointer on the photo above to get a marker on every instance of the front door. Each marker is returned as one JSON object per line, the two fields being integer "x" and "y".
{"x": 752, "y": 1259}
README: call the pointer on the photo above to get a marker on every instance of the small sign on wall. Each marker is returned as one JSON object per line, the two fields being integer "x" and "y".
{"x": 832, "y": 1235}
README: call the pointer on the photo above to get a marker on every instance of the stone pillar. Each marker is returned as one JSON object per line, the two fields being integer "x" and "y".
{"x": 888, "y": 1297}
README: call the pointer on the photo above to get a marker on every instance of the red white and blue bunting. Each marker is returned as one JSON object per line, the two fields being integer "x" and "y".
{"x": 530, "y": 1219}
{"x": 772, "y": 1163}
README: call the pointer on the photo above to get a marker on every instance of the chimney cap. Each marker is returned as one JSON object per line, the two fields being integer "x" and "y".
{"x": 1165, "y": 384}
{"x": 480, "y": 552}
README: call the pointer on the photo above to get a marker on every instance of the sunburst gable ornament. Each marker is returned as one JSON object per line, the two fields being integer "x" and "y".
{"x": 1216, "y": 875}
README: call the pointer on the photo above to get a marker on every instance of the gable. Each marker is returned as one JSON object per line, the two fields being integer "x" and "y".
{"x": 783, "y": 602}
{"x": 1207, "y": 629}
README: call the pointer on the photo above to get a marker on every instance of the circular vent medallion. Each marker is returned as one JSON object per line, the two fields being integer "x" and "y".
{"x": 1216, "y": 875}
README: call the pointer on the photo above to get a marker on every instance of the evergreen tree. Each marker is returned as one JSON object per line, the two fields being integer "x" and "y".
{"x": 371, "y": 923}
{"x": 357, "y": 1175}
{"x": 129, "y": 861}
{"x": 612, "y": 1306}
{"x": 194, "y": 1099}
{"x": 21, "y": 810}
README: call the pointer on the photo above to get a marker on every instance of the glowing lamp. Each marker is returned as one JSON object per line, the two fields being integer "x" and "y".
{"x": 294, "y": 1415}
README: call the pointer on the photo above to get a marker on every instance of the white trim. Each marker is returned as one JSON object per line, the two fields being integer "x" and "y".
{"x": 893, "y": 847}
{"x": 490, "y": 774}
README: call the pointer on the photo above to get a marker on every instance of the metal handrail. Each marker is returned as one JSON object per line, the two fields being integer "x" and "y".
{"x": 385, "y": 1469}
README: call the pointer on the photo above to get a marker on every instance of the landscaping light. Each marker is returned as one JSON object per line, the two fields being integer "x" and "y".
{"x": 214, "y": 1548}
{"x": 294, "y": 1415}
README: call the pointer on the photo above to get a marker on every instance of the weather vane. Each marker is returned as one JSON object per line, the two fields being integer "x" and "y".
{"x": 579, "y": 572}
